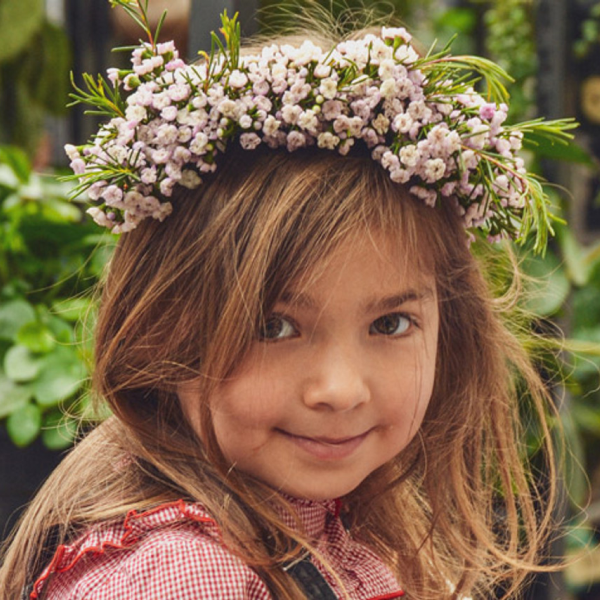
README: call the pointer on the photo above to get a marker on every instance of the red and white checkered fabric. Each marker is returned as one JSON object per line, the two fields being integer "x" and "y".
{"x": 174, "y": 552}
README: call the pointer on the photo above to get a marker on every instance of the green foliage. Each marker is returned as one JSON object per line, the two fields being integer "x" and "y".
{"x": 589, "y": 33}
{"x": 50, "y": 257}
{"x": 19, "y": 22}
{"x": 35, "y": 59}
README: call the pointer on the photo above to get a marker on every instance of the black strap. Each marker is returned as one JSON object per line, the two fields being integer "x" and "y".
{"x": 310, "y": 580}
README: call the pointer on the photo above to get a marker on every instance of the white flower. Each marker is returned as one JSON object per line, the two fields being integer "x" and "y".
{"x": 198, "y": 146}
{"x": 112, "y": 195}
{"x": 135, "y": 113}
{"x": 332, "y": 109}
{"x": 388, "y": 88}
{"x": 278, "y": 71}
{"x": 434, "y": 169}
{"x": 406, "y": 55}
{"x": 246, "y": 122}
{"x": 262, "y": 103}
{"x": 308, "y": 121}
{"x": 200, "y": 101}
{"x": 391, "y": 33}
{"x": 190, "y": 179}
{"x": 230, "y": 108}
{"x": 237, "y": 79}
{"x": 345, "y": 146}
{"x": 271, "y": 125}
{"x": 381, "y": 124}
{"x": 409, "y": 155}
{"x": 249, "y": 141}
{"x": 386, "y": 69}
{"x": 390, "y": 161}
{"x": 321, "y": 71}
{"x": 72, "y": 151}
{"x": 78, "y": 166}
{"x": 99, "y": 217}
{"x": 327, "y": 140}
{"x": 166, "y": 134}
{"x": 184, "y": 135}
{"x": 295, "y": 140}
{"x": 160, "y": 101}
{"x": 261, "y": 88}
{"x": 148, "y": 175}
{"x": 399, "y": 175}
{"x": 328, "y": 88}
{"x": 403, "y": 123}
{"x": 503, "y": 147}
{"x": 169, "y": 113}
{"x": 452, "y": 142}
{"x": 291, "y": 113}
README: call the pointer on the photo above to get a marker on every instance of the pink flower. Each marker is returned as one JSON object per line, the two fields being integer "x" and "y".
{"x": 487, "y": 111}
{"x": 332, "y": 109}
{"x": 169, "y": 113}
{"x": 295, "y": 140}
{"x": 249, "y": 141}
{"x": 78, "y": 166}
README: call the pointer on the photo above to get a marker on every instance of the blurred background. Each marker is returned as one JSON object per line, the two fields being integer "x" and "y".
{"x": 51, "y": 256}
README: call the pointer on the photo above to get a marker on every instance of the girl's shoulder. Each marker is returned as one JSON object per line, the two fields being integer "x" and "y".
{"x": 173, "y": 551}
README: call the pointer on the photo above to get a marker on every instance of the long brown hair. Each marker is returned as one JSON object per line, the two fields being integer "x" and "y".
{"x": 457, "y": 512}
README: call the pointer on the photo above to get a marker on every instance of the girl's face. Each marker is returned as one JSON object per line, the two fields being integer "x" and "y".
{"x": 338, "y": 382}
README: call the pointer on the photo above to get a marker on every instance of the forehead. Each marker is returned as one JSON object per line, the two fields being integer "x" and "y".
{"x": 376, "y": 261}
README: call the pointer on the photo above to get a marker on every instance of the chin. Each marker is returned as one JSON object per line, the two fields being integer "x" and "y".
{"x": 319, "y": 492}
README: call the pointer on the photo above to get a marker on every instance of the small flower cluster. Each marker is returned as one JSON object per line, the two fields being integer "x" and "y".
{"x": 421, "y": 119}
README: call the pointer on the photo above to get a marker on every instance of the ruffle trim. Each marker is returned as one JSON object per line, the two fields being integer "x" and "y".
{"x": 135, "y": 524}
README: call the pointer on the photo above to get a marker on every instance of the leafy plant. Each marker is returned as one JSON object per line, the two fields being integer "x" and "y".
{"x": 35, "y": 58}
{"x": 50, "y": 257}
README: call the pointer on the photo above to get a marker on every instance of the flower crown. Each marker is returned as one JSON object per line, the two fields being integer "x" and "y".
{"x": 420, "y": 117}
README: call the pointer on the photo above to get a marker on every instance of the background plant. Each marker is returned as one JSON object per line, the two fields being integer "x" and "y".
{"x": 35, "y": 59}
{"x": 49, "y": 259}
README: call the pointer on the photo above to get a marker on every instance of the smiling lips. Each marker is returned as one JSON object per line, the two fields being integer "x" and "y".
{"x": 327, "y": 448}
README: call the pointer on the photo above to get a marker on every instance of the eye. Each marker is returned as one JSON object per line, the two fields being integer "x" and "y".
{"x": 276, "y": 328}
{"x": 392, "y": 324}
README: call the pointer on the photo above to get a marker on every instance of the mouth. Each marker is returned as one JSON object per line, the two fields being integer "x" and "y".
{"x": 326, "y": 448}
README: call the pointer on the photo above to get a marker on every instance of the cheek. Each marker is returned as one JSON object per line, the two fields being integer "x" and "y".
{"x": 408, "y": 396}
{"x": 248, "y": 404}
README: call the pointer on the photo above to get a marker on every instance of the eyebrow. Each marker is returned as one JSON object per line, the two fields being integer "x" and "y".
{"x": 375, "y": 304}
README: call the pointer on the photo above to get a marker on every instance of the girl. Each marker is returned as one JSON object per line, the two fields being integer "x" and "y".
{"x": 314, "y": 394}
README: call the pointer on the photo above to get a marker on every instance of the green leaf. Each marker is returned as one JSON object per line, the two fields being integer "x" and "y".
{"x": 13, "y": 315}
{"x": 61, "y": 210}
{"x": 21, "y": 365}
{"x": 545, "y": 148}
{"x": 16, "y": 160}
{"x": 24, "y": 425}
{"x": 8, "y": 178}
{"x": 13, "y": 396}
{"x": 19, "y": 21}
{"x": 578, "y": 269}
{"x": 61, "y": 331}
{"x": 72, "y": 309}
{"x": 59, "y": 431}
{"x": 585, "y": 310}
{"x": 62, "y": 374}
{"x": 37, "y": 337}
{"x": 461, "y": 20}
{"x": 548, "y": 286}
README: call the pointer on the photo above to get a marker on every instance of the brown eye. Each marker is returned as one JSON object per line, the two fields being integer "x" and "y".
{"x": 277, "y": 328}
{"x": 392, "y": 324}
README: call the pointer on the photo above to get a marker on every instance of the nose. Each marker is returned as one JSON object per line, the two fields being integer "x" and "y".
{"x": 336, "y": 380}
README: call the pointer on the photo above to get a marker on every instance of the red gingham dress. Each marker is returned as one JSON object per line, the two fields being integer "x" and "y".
{"x": 174, "y": 552}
